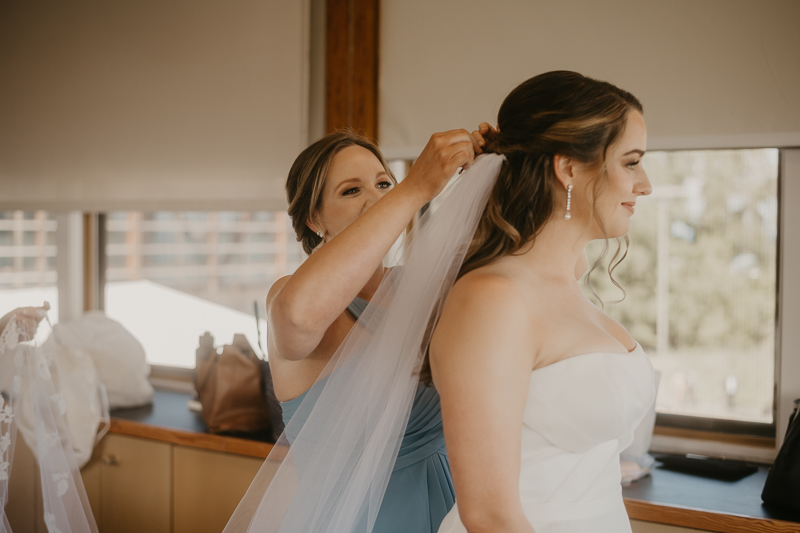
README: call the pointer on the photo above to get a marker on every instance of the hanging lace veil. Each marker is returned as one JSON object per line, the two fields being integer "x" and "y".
{"x": 334, "y": 475}
{"x": 29, "y": 381}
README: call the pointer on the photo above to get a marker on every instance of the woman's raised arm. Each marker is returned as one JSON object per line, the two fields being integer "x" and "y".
{"x": 301, "y": 307}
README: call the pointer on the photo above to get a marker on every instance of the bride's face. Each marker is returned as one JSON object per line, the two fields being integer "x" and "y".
{"x": 625, "y": 180}
{"x": 356, "y": 180}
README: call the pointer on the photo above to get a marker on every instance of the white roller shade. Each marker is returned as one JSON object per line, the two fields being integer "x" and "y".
{"x": 722, "y": 72}
{"x": 151, "y": 104}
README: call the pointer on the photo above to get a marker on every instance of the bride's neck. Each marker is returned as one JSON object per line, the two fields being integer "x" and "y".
{"x": 556, "y": 250}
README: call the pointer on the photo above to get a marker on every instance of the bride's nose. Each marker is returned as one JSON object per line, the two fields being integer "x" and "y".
{"x": 644, "y": 186}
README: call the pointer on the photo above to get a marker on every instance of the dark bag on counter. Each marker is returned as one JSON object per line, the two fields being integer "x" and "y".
{"x": 782, "y": 487}
{"x": 231, "y": 388}
{"x": 273, "y": 405}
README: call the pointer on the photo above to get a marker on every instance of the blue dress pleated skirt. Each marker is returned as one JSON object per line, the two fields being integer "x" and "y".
{"x": 420, "y": 491}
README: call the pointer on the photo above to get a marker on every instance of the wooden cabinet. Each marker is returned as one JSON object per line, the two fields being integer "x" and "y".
{"x": 207, "y": 487}
{"x": 638, "y": 526}
{"x": 135, "y": 485}
{"x": 24, "y": 491}
{"x": 128, "y": 482}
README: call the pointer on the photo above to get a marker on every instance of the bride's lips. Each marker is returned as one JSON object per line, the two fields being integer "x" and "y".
{"x": 629, "y": 206}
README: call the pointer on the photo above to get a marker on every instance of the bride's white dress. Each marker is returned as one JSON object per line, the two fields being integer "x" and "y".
{"x": 580, "y": 414}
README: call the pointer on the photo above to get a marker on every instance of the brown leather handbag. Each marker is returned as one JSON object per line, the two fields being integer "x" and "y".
{"x": 230, "y": 385}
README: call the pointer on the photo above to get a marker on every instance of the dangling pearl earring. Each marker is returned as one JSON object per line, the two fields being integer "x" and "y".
{"x": 569, "y": 201}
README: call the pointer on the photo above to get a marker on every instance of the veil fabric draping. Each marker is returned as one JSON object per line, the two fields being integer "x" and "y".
{"x": 29, "y": 379}
{"x": 330, "y": 474}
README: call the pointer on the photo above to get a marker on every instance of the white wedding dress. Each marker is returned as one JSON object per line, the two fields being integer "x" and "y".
{"x": 581, "y": 412}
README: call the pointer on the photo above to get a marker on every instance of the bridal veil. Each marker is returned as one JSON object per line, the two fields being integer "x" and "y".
{"x": 333, "y": 476}
{"x": 29, "y": 378}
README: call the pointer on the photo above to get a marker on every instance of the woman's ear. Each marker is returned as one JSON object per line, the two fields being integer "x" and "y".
{"x": 312, "y": 226}
{"x": 564, "y": 168}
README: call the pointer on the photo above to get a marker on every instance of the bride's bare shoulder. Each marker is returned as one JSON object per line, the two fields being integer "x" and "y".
{"x": 484, "y": 312}
{"x": 484, "y": 282}
{"x": 502, "y": 281}
{"x": 484, "y": 291}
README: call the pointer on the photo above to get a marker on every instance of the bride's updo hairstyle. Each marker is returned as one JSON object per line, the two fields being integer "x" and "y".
{"x": 307, "y": 180}
{"x": 558, "y": 112}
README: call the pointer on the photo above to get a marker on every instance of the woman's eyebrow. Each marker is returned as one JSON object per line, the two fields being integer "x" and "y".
{"x": 349, "y": 180}
{"x": 635, "y": 151}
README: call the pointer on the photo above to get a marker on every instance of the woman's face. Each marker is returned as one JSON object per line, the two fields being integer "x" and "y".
{"x": 356, "y": 180}
{"x": 625, "y": 180}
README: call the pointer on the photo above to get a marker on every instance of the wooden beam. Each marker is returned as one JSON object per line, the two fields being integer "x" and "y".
{"x": 89, "y": 262}
{"x": 351, "y": 63}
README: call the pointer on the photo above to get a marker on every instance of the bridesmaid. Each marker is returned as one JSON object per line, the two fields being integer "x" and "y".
{"x": 348, "y": 210}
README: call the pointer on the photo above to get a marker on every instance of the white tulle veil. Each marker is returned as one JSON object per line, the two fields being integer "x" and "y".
{"x": 29, "y": 381}
{"x": 334, "y": 475}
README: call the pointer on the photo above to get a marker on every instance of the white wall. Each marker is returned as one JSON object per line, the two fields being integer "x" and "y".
{"x": 150, "y": 104}
{"x": 715, "y": 72}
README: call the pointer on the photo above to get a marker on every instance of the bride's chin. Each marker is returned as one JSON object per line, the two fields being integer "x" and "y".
{"x": 617, "y": 230}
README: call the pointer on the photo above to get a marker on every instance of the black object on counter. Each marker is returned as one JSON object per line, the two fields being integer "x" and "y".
{"x": 721, "y": 469}
{"x": 782, "y": 487}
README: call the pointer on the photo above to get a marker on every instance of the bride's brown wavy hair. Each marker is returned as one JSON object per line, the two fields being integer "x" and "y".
{"x": 558, "y": 112}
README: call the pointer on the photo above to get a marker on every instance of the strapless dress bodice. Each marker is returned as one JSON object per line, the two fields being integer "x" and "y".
{"x": 580, "y": 413}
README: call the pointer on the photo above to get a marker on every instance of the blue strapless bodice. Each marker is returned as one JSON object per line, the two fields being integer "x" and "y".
{"x": 420, "y": 491}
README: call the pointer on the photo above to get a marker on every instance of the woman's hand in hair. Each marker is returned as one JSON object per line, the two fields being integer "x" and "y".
{"x": 485, "y": 135}
{"x": 444, "y": 154}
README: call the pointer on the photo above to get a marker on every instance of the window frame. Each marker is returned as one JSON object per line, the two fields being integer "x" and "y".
{"x": 750, "y": 441}
{"x": 788, "y": 363}
{"x": 736, "y": 439}
{"x": 673, "y": 433}
{"x": 759, "y": 434}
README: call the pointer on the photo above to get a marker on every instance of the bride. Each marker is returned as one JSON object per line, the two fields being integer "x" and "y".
{"x": 557, "y": 385}
{"x": 533, "y": 427}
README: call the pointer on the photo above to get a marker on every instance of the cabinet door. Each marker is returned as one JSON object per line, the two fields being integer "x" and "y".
{"x": 639, "y": 526}
{"x": 23, "y": 508}
{"x": 92, "y": 474}
{"x": 136, "y": 485}
{"x": 207, "y": 487}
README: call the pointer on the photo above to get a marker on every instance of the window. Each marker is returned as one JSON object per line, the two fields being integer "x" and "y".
{"x": 170, "y": 276}
{"x": 701, "y": 282}
{"x": 28, "y": 260}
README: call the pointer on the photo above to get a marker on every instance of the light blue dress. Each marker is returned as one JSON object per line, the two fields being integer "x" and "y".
{"x": 420, "y": 491}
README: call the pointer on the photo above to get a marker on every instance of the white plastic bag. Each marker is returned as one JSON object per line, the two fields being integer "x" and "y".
{"x": 79, "y": 397}
{"x": 100, "y": 366}
{"x": 117, "y": 355}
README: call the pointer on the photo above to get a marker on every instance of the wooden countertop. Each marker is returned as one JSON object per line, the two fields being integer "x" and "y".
{"x": 168, "y": 419}
{"x": 664, "y": 497}
{"x": 684, "y": 500}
